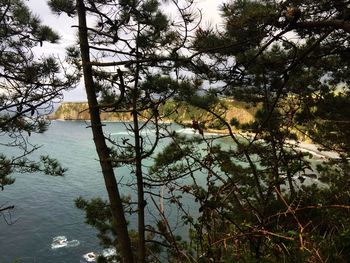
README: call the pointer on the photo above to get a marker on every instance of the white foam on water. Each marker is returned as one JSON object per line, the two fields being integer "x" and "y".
{"x": 108, "y": 252}
{"x": 73, "y": 243}
{"x": 62, "y": 241}
{"x": 119, "y": 133}
{"x": 90, "y": 257}
{"x": 58, "y": 242}
{"x": 148, "y": 132}
{"x": 186, "y": 131}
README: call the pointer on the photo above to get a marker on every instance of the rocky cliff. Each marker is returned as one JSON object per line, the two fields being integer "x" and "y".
{"x": 80, "y": 111}
{"x": 183, "y": 113}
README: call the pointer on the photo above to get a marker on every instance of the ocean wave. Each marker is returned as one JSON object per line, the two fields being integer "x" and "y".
{"x": 143, "y": 132}
{"x": 62, "y": 241}
{"x": 92, "y": 256}
{"x": 186, "y": 131}
{"x": 119, "y": 133}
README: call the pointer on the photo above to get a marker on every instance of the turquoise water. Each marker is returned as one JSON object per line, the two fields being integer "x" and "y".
{"x": 44, "y": 205}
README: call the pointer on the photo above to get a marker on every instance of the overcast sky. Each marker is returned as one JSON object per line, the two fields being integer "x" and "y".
{"x": 63, "y": 25}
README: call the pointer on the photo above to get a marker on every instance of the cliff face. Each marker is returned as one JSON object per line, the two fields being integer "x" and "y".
{"x": 72, "y": 111}
{"x": 80, "y": 111}
{"x": 183, "y": 113}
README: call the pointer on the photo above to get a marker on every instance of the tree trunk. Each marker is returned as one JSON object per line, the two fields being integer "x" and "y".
{"x": 141, "y": 253}
{"x": 140, "y": 192}
{"x": 117, "y": 210}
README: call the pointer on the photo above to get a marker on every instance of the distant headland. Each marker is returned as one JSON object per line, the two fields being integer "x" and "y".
{"x": 240, "y": 111}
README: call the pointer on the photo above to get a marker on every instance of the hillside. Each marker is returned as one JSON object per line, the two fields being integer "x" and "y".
{"x": 79, "y": 111}
{"x": 180, "y": 113}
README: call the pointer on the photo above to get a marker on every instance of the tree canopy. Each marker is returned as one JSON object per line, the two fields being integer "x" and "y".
{"x": 29, "y": 86}
{"x": 288, "y": 58}
{"x": 260, "y": 196}
{"x": 257, "y": 201}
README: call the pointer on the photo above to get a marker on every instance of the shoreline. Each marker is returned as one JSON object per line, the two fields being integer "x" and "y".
{"x": 313, "y": 149}
{"x": 303, "y": 146}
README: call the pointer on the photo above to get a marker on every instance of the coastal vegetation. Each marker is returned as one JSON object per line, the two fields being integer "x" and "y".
{"x": 184, "y": 113}
{"x": 276, "y": 70}
{"x": 29, "y": 86}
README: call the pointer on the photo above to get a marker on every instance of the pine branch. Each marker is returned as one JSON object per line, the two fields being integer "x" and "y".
{"x": 336, "y": 23}
{"x": 7, "y": 208}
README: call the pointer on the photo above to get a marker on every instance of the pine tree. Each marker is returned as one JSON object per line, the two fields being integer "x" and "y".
{"x": 29, "y": 86}
{"x": 289, "y": 60}
{"x": 128, "y": 50}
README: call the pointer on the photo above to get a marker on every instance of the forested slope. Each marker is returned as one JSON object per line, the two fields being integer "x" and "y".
{"x": 178, "y": 112}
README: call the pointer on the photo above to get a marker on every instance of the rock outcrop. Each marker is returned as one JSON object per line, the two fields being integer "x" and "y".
{"x": 183, "y": 113}
{"x": 80, "y": 111}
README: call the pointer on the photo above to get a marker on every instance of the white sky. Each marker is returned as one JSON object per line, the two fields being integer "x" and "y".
{"x": 63, "y": 25}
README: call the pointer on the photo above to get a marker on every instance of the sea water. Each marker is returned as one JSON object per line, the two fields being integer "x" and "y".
{"x": 45, "y": 225}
